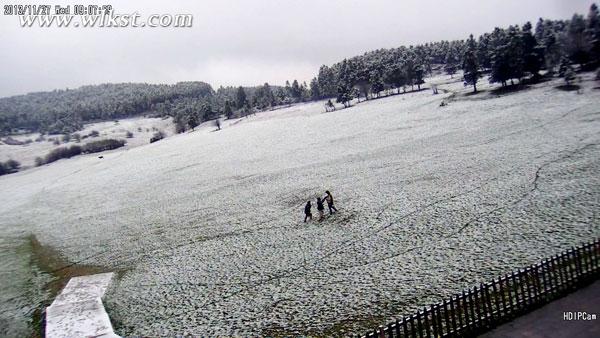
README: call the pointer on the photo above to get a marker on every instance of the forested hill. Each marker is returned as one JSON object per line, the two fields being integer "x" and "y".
{"x": 189, "y": 103}
{"x": 506, "y": 55}
{"x": 63, "y": 111}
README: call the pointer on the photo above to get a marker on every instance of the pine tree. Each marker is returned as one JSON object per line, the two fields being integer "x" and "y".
{"x": 206, "y": 111}
{"x": 593, "y": 33}
{"x": 240, "y": 97}
{"x": 419, "y": 76}
{"x": 470, "y": 65}
{"x": 377, "y": 84}
{"x": 500, "y": 71}
{"x": 566, "y": 70}
{"x": 345, "y": 92}
{"x": 227, "y": 111}
{"x": 451, "y": 63}
{"x": 552, "y": 52}
{"x": 315, "y": 90}
{"x": 296, "y": 91}
{"x": 395, "y": 76}
{"x": 483, "y": 51}
{"x": 516, "y": 59}
{"x": 409, "y": 71}
{"x": 576, "y": 41}
{"x": 327, "y": 82}
{"x": 192, "y": 121}
{"x": 533, "y": 53}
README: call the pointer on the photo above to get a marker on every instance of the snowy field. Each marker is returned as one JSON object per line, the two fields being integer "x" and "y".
{"x": 207, "y": 226}
{"x": 142, "y": 129}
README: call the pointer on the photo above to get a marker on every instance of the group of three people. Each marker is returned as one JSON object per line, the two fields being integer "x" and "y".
{"x": 328, "y": 198}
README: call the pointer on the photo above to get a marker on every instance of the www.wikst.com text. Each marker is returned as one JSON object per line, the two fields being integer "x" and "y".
{"x": 91, "y": 16}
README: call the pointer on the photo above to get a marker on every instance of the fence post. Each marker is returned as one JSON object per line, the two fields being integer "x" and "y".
{"x": 593, "y": 262}
{"x": 536, "y": 283}
{"x": 527, "y": 275}
{"x": 381, "y": 331}
{"x": 556, "y": 276}
{"x": 516, "y": 291}
{"x": 522, "y": 289}
{"x": 434, "y": 321}
{"x": 426, "y": 322}
{"x": 588, "y": 260}
{"x": 419, "y": 325}
{"x": 509, "y": 290}
{"x": 544, "y": 288}
{"x": 566, "y": 267}
{"x": 496, "y": 301}
{"x": 459, "y": 311}
{"x": 502, "y": 296}
{"x": 595, "y": 253}
{"x": 397, "y": 328}
{"x": 413, "y": 328}
{"x": 453, "y": 313}
{"x": 477, "y": 308}
{"x": 465, "y": 309}
{"x": 405, "y": 326}
{"x": 572, "y": 271}
{"x": 578, "y": 269}
{"x": 490, "y": 308}
{"x": 446, "y": 317}
{"x": 472, "y": 308}
{"x": 438, "y": 309}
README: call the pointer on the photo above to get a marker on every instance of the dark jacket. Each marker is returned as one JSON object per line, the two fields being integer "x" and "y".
{"x": 320, "y": 205}
{"x": 307, "y": 208}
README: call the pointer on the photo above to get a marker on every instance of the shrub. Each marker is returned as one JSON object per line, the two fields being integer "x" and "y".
{"x": 76, "y": 137}
{"x": 40, "y": 138}
{"x": 56, "y": 142}
{"x": 12, "y": 166}
{"x": 129, "y": 134}
{"x": 102, "y": 145}
{"x": 9, "y": 167}
{"x": 140, "y": 129}
{"x": 66, "y": 138}
{"x": 12, "y": 142}
{"x": 159, "y": 135}
{"x": 62, "y": 152}
{"x": 39, "y": 161}
{"x": 94, "y": 133}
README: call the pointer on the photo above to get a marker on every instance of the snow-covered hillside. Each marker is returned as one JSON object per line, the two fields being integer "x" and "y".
{"x": 208, "y": 225}
{"x": 141, "y": 129}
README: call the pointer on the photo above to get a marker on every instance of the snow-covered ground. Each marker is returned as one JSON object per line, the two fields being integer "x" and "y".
{"x": 208, "y": 225}
{"x": 142, "y": 129}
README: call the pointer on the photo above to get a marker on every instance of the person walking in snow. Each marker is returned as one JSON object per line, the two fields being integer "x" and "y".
{"x": 307, "y": 213}
{"x": 320, "y": 208}
{"x": 329, "y": 199}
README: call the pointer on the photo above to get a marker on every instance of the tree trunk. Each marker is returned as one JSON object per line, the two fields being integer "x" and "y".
{"x": 474, "y": 88}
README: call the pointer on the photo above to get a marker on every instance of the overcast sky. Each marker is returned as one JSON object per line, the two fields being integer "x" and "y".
{"x": 245, "y": 42}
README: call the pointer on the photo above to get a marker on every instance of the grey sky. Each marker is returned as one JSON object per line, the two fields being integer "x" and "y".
{"x": 244, "y": 42}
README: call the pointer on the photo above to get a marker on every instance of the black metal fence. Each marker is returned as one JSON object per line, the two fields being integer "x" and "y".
{"x": 482, "y": 308}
